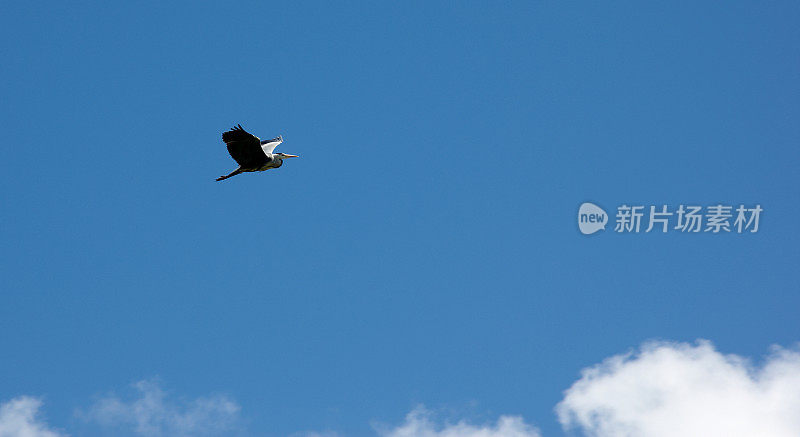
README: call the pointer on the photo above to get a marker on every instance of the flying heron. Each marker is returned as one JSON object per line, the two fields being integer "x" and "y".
{"x": 251, "y": 153}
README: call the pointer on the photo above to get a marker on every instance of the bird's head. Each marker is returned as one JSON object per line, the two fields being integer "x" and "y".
{"x": 285, "y": 155}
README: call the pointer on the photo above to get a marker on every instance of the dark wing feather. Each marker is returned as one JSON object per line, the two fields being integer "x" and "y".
{"x": 245, "y": 148}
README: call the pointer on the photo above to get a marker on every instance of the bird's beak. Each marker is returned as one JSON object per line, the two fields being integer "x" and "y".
{"x": 290, "y": 156}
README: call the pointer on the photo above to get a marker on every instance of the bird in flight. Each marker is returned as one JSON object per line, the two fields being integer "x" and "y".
{"x": 251, "y": 153}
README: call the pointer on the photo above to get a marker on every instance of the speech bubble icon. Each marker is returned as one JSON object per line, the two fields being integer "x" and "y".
{"x": 591, "y": 218}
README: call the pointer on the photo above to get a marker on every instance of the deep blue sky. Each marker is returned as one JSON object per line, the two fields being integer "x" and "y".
{"x": 424, "y": 247}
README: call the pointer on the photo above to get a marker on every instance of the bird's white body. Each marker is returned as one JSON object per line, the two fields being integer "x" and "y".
{"x": 274, "y": 162}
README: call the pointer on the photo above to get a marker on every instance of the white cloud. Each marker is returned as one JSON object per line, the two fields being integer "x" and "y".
{"x": 664, "y": 389}
{"x": 18, "y": 418}
{"x": 419, "y": 423}
{"x": 678, "y": 389}
{"x": 153, "y": 414}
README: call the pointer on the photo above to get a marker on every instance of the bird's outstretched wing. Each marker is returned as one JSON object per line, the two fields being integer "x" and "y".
{"x": 270, "y": 145}
{"x": 244, "y": 147}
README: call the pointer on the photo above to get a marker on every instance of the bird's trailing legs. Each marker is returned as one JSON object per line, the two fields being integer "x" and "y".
{"x": 233, "y": 173}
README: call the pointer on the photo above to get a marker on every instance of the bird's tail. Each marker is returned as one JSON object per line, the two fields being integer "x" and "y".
{"x": 231, "y": 174}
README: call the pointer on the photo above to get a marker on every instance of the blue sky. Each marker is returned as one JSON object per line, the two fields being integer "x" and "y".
{"x": 423, "y": 249}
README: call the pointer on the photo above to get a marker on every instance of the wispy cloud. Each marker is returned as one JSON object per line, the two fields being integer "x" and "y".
{"x": 674, "y": 389}
{"x": 19, "y": 417}
{"x": 152, "y": 413}
{"x": 420, "y": 423}
{"x": 663, "y": 389}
